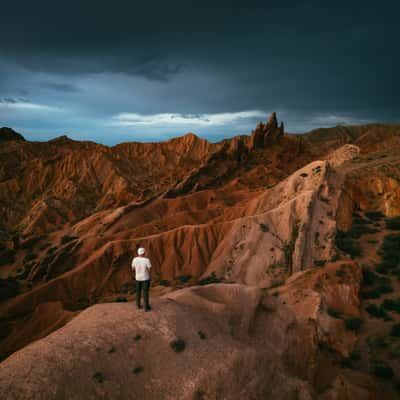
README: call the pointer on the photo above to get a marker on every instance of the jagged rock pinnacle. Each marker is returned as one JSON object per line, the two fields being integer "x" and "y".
{"x": 266, "y": 134}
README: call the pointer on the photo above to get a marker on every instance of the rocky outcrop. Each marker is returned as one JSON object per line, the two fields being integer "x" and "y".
{"x": 266, "y": 134}
{"x": 291, "y": 334}
{"x": 259, "y": 346}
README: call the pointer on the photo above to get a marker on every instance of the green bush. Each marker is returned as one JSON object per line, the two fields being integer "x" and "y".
{"x": 340, "y": 273}
{"x": 346, "y": 363}
{"x": 98, "y": 377}
{"x": 393, "y": 223}
{"x": 355, "y": 355}
{"x": 7, "y": 257}
{"x": 178, "y": 345}
{"x": 333, "y": 313}
{"x": 209, "y": 279}
{"x": 136, "y": 338}
{"x": 275, "y": 284}
{"x": 377, "y": 342}
{"x": 137, "y": 370}
{"x": 392, "y": 305}
{"x": 375, "y": 311}
{"x": 390, "y": 251}
{"x": 184, "y": 278}
{"x": 202, "y": 335}
{"x": 382, "y": 370}
{"x": 374, "y": 215}
{"x": 353, "y": 324}
{"x": 356, "y": 231}
{"x": 347, "y": 244}
{"x": 9, "y": 287}
{"x": 369, "y": 277}
{"x": 66, "y": 238}
{"x": 319, "y": 263}
{"x": 264, "y": 227}
{"x": 382, "y": 269}
{"x": 395, "y": 331}
{"x": 30, "y": 257}
{"x": 51, "y": 250}
{"x": 370, "y": 294}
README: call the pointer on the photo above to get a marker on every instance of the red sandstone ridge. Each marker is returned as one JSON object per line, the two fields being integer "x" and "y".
{"x": 7, "y": 134}
{"x": 282, "y": 221}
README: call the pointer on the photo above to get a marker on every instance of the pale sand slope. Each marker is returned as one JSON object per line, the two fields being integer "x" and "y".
{"x": 256, "y": 346}
{"x": 235, "y": 360}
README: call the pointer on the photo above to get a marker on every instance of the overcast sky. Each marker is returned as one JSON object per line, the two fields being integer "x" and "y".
{"x": 114, "y": 71}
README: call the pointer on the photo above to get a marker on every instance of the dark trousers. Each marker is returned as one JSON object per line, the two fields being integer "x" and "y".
{"x": 145, "y": 285}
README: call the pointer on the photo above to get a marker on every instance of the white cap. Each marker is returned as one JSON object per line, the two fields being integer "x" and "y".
{"x": 141, "y": 251}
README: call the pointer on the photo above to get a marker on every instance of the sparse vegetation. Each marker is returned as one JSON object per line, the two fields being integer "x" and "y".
{"x": 324, "y": 199}
{"x": 210, "y": 279}
{"x": 178, "y": 345}
{"x": 390, "y": 251}
{"x": 393, "y": 223}
{"x": 51, "y": 250}
{"x": 383, "y": 370}
{"x": 376, "y": 311}
{"x": 275, "y": 284}
{"x": 333, "y": 313}
{"x": 66, "y": 238}
{"x": 137, "y": 370}
{"x": 319, "y": 263}
{"x": 377, "y": 343}
{"x": 357, "y": 230}
{"x": 340, "y": 273}
{"x": 136, "y": 338}
{"x": 353, "y": 324}
{"x": 392, "y": 305}
{"x": 374, "y": 215}
{"x": 164, "y": 282}
{"x": 347, "y": 244}
{"x": 44, "y": 246}
{"x": 98, "y": 377}
{"x": 202, "y": 335}
{"x": 370, "y": 294}
{"x": 264, "y": 227}
{"x": 30, "y": 257}
{"x": 346, "y": 363}
{"x": 9, "y": 287}
{"x": 184, "y": 278}
{"x": 395, "y": 330}
{"x": 355, "y": 355}
{"x": 7, "y": 257}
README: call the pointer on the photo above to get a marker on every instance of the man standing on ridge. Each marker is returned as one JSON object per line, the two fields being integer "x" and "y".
{"x": 142, "y": 265}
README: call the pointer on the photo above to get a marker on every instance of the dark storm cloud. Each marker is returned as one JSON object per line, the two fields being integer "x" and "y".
{"x": 13, "y": 100}
{"x": 325, "y": 61}
{"x": 59, "y": 86}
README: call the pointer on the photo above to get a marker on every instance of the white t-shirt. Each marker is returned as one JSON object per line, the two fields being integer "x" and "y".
{"x": 141, "y": 266}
